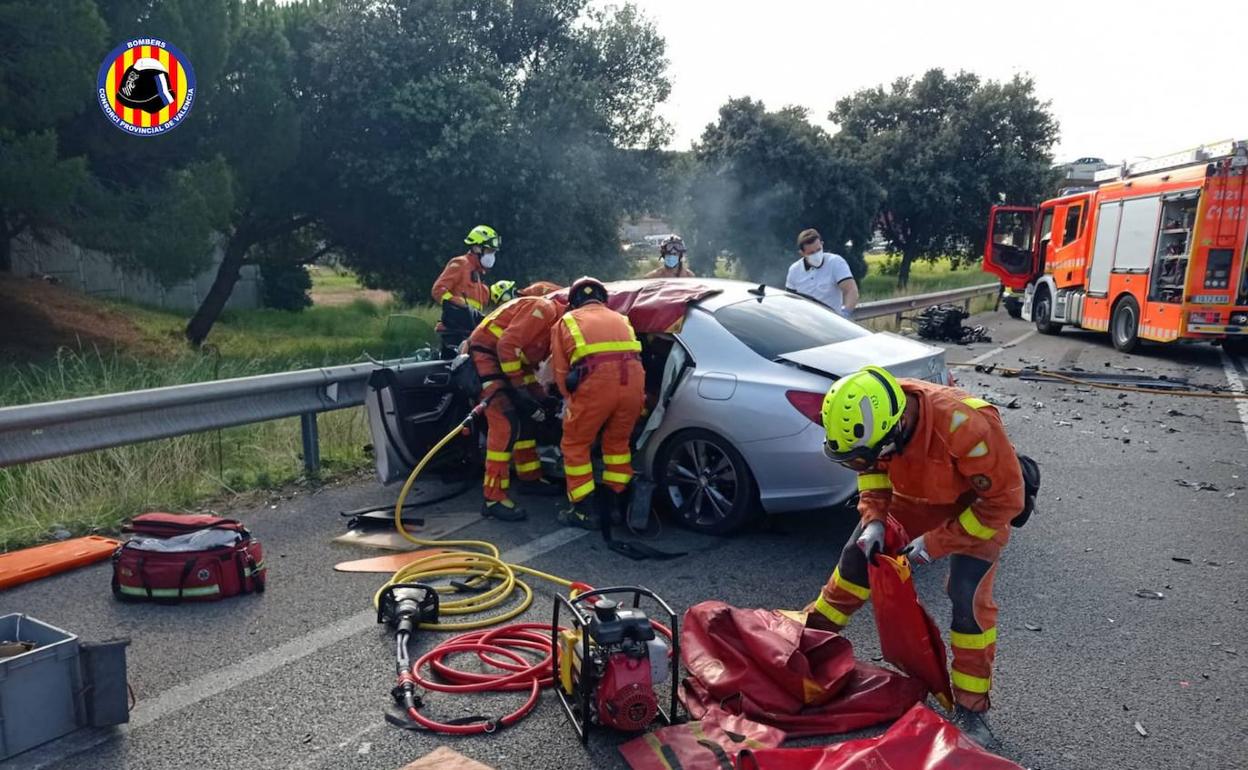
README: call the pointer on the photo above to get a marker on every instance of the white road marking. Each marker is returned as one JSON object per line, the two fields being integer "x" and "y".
{"x": 1232, "y": 368}
{"x": 1017, "y": 340}
{"x": 175, "y": 699}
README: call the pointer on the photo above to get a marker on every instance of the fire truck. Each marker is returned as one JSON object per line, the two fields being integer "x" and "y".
{"x": 1155, "y": 251}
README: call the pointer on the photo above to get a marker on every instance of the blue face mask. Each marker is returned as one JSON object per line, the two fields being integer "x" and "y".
{"x": 671, "y": 260}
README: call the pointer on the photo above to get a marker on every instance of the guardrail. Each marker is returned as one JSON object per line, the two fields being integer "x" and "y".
{"x": 899, "y": 305}
{"x": 62, "y": 428}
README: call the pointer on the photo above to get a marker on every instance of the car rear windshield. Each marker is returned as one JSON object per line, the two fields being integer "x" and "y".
{"x": 784, "y": 323}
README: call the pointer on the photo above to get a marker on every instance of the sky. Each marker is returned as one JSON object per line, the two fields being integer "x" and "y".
{"x": 1125, "y": 79}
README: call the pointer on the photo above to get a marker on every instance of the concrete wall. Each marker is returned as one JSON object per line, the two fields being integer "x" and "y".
{"x": 96, "y": 273}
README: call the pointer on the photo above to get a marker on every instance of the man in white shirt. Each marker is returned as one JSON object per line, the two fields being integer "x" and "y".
{"x": 821, "y": 276}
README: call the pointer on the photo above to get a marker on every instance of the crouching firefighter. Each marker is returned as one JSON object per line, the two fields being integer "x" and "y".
{"x": 461, "y": 289}
{"x": 506, "y": 349}
{"x": 940, "y": 463}
{"x": 597, "y": 364}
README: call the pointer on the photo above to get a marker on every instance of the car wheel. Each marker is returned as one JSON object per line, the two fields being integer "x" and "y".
{"x": 1124, "y": 325}
{"x": 1014, "y": 308}
{"x": 1042, "y": 313}
{"x": 704, "y": 483}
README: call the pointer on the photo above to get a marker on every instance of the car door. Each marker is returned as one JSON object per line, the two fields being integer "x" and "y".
{"x": 410, "y": 408}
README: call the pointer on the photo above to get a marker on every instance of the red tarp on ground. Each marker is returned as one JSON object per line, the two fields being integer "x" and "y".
{"x": 909, "y": 638}
{"x": 921, "y": 740}
{"x": 774, "y": 670}
{"x": 652, "y": 306}
{"x": 711, "y": 743}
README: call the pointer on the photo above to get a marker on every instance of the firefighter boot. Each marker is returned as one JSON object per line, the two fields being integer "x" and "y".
{"x": 974, "y": 725}
{"x": 503, "y": 510}
{"x": 579, "y": 514}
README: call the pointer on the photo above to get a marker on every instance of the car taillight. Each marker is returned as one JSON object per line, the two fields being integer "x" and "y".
{"x": 809, "y": 404}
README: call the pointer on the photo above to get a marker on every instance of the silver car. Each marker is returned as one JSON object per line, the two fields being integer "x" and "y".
{"x": 735, "y": 428}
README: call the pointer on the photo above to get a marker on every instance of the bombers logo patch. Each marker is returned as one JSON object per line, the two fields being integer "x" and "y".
{"x": 981, "y": 482}
{"x": 146, "y": 86}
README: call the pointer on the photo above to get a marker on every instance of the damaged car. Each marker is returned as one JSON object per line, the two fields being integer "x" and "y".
{"x": 735, "y": 378}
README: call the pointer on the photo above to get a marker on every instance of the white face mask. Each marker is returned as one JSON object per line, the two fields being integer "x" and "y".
{"x": 487, "y": 260}
{"x": 671, "y": 260}
{"x": 815, "y": 259}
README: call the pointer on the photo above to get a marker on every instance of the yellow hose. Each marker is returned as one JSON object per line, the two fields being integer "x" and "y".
{"x": 480, "y": 566}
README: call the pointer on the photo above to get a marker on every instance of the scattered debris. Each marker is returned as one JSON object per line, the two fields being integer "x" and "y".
{"x": 1139, "y": 728}
{"x": 1230, "y": 650}
{"x": 944, "y": 323}
{"x": 1203, "y": 486}
{"x": 1063, "y": 422}
{"x": 1031, "y": 626}
{"x": 1144, "y": 593}
{"x": 1181, "y": 559}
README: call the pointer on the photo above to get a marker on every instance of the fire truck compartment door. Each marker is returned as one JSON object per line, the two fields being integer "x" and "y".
{"x": 1107, "y": 219}
{"x": 1137, "y": 235}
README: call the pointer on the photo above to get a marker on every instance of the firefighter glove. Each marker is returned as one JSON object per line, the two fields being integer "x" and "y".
{"x": 916, "y": 552}
{"x": 871, "y": 541}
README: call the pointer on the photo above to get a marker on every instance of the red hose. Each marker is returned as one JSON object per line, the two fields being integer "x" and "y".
{"x": 499, "y": 648}
{"x": 496, "y": 648}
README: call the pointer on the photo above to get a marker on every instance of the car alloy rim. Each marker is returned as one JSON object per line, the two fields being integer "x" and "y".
{"x": 702, "y": 482}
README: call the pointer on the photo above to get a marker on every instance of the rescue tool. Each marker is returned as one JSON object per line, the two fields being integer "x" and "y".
{"x": 610, "y": 660}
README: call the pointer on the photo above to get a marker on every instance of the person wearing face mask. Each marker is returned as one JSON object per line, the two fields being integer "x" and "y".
{"x": 672, "y": 252}
{"x": 939, "y": 462}
{"x": 461, "y": 289}
{"x": 821, "y": 276}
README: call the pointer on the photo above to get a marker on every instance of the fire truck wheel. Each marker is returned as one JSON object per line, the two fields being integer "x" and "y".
{"x": 1042, "y": 313}
{"x": 1124, "y": 324}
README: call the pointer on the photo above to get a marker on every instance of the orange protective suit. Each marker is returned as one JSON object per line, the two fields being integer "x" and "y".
{"x": 539, "y": 289}
{"x": 958, "y": 483}
{"x": 507, "y": 347}
{"x": 608, "y": 398}
{"x": 663, "y": 271}
{"x": 462, "y": 282}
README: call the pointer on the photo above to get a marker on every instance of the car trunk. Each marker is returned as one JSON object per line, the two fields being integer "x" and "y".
{"x": 903, "y": 357}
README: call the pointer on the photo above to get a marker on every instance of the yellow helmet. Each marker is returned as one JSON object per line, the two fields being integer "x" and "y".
{"x": 859, "y": 412}
{"x": 483, "y": 235}
{"x": 502, "y": 291}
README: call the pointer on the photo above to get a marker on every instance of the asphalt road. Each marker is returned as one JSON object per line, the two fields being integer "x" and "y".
{"x": 299, "y": 677}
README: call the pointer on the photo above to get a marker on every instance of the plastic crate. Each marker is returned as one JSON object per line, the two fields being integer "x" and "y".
{"x": 41, "y": 693}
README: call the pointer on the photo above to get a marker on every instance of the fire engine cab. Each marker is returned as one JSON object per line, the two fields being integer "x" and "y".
{"x": 1155, "y": 251}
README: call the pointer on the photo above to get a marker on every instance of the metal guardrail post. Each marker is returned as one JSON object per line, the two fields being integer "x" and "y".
{"x": 311, "y": 443}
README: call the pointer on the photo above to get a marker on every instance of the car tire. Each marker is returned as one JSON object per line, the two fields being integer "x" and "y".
{"x": 1124, "y": 325}
{"x": 1014, "y": 308}
{"x": 703, "y": 483}
{"x": 1042, "y": 313}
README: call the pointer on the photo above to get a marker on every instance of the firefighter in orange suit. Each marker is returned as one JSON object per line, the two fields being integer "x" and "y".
{"x": 938, "y": 461}
{"x": 597, "y": 364}
{"x": 506, "y": 348}
{"x": 539, "y": 289}
{"x": 672, "y": 254}
{"x": 461, "y": 290}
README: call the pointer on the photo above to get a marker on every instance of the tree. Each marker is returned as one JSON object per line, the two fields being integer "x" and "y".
{"x": 944, "y": 150}
{"x": 758, "y": 178}
{"x": 50, "y": 54}
{"x": 524, "y": 116}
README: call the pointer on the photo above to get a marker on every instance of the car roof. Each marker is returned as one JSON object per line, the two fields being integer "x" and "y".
{"x": 730, "y": 291}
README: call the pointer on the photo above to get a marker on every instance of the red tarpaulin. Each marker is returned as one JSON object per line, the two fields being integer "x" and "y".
{"x": 652, "y": 306}
{"x": 711, "y": 743}
{"x": 909, "y": 638}
{"x": 921, "y": 740}
{"x": 774, "y": 670}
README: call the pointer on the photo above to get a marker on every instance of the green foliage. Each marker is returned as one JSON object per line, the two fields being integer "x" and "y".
{"x": 944, "y": 149}
{"x": 757, "y": 178}
{"x": 285, "y": 285}
{"x": 520, "y": 115}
